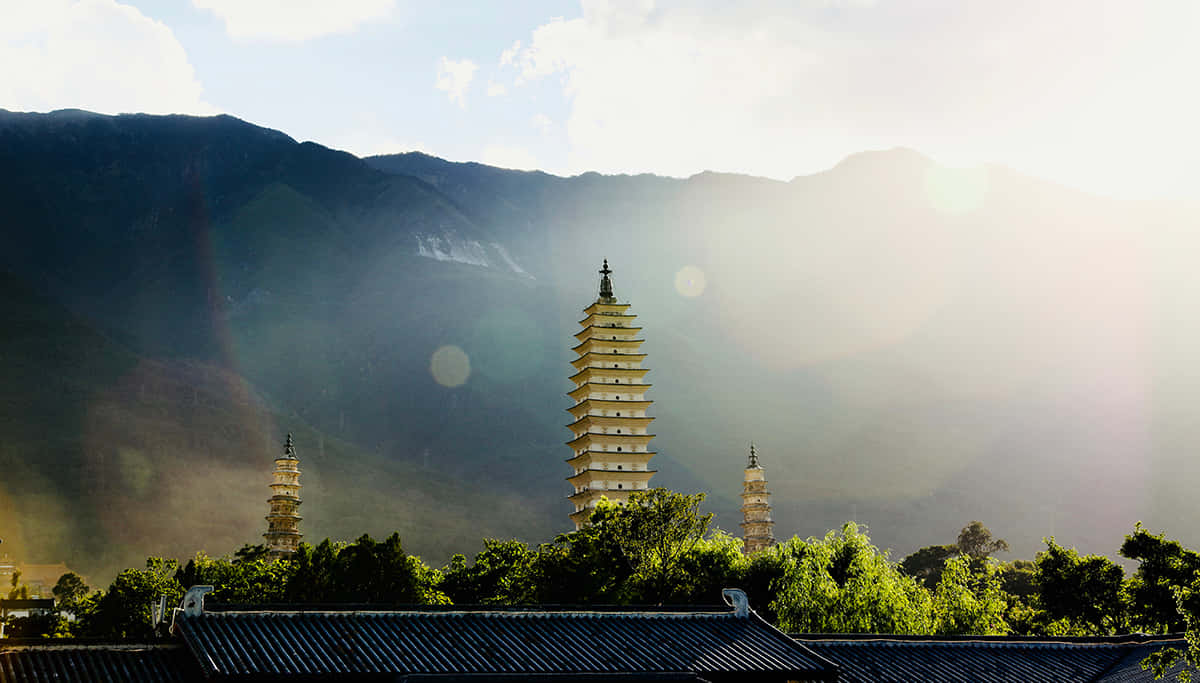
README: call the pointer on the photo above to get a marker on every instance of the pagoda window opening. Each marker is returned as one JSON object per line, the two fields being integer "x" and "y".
{"x": 618, "y": 414}
{"x": 619, "y": 486}
{"x": 618, "y": 448}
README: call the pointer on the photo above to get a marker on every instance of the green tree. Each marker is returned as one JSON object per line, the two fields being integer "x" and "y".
{"x": 251, "y": 553}
{"x": 976, "y": 542}
{"x": 587, "y": 566}
{"x": 312, "y": 572}
{"x": 926, "y": 564}
{"x": 968, "y": 602}
{"x": 42, "y": 625}
{"x": 844, "y": 584}
{"x": 124, "y": 610}
{"x": 712, "y": 564}
{"x": 497, "y": 575}
{"x": 1165, "y": 568}
{"x": 238, "y": 579}
{"x": 1188, "y": 659}
{"x": 1084, "y": 593}
{"x": 68, "y": 591}
{"x": 762, "y": 573}
{"x": 1018, "y": 580}
{"x": 654, "y": 530}
{"x": 365, "y": 571}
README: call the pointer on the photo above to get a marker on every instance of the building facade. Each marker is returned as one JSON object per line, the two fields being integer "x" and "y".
{"x": 283, "y": 522}
{"x": 610, "y": 448}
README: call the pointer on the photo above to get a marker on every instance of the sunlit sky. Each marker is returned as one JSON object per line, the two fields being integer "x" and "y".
{"x": 1096, "y": 94}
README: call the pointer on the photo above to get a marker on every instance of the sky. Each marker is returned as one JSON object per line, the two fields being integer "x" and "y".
{"x": 1100, "y": 95}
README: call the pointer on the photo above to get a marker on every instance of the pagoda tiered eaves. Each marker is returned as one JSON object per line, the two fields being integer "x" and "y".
{"x": 283, "y": 521}
{"x": 605, "y": 307}
{"x": 603, "y": 345}
{"x": 607, "y": 332}
{"x": 610, "y": 444}
{"x": 585, "y": 459}
{"x": 609, "y": 391}
{"x": 588, "y": 405}
{"x": 758, "y": 529}
{"x": 596, "y": 357}
{"x": 604, "y": 372}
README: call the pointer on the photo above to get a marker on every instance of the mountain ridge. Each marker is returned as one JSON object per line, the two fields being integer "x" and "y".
{"x": 894, "y": 351}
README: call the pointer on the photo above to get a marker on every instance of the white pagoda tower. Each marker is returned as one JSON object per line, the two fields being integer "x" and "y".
{"x": 283, "y": 523}
{"x": 758, "y": 529}
{"x": 610, "y": 451}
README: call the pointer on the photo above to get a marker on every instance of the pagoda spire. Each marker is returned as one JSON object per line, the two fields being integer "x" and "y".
{"x": 610, "y": 448}
{"x": 758, "y": 529}
{"x": 283, "y": 522}
{"x": 606, "y": 290}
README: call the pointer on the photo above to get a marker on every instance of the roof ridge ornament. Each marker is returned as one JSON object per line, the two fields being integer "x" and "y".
{"x": 753, "y": 457}
{"x": 736, "y": 598}
{"x": 289, "y": 450}
{"x": 193, "y": 600}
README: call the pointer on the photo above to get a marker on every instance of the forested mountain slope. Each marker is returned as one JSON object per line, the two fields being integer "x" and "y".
{"x": 909, "y": 346}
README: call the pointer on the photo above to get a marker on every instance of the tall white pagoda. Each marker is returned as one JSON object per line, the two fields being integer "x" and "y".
{"x": 283, "y": 523}
{"x": 758, "y": 529}
{"x": 610, "y": 451}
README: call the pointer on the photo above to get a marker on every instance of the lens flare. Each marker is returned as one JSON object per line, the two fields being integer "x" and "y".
{"x": 956, "y": 190}
{"x": 450, "y": 366}
{"x": 690, "y": 281}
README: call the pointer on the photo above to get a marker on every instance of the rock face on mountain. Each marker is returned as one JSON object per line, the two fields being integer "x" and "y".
{"x": 909, "y": 345}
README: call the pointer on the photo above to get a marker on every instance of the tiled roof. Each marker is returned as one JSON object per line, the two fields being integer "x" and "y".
{"x": 58, "y": 660}
{"x": 627, "y": 645}
{"x": 886, "y": 659}
{"x": 26, "y": 603}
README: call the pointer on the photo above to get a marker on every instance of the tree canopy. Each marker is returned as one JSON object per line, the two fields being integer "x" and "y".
{"x": 658, "y": 548}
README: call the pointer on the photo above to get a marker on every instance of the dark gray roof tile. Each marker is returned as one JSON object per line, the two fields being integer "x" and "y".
{"x": 500, "y": 642}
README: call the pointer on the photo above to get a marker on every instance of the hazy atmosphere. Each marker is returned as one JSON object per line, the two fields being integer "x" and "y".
{"x": 933, "y": 258}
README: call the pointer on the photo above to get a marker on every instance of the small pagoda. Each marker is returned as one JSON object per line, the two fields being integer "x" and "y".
{"x": 610, "y": 451}
{"x": 758, "y": 529}
{"x": 283, "y": 523}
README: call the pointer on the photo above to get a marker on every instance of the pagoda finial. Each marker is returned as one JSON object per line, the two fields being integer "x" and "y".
{"x": 753, "y": 456}
{"x": 289, "y": 451}
{"x": 605, "y": 283}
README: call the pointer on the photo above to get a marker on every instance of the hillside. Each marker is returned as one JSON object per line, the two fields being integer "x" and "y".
{"x": 109, "y": 456}
{"x": 908, "y": 346}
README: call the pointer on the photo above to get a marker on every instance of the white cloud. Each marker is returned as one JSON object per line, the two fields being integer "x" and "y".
{"x": 1089, "y": 92}
{"x": 509, "y": 156}
{"x": 510, "y": 54}
{"x": 290, "y": 21}
{"x": 543, "y": 123}
{"x": 495, "y": 89}
{"x": 455, "y": 77}
{"x": 93, "y": 54}
{"x": 367, "y": 134}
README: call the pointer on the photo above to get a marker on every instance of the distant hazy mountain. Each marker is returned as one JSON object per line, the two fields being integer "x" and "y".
{"x": 909, "y": 346}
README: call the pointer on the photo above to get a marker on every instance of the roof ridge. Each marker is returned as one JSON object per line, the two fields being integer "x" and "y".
{"x": 501, "y": 613}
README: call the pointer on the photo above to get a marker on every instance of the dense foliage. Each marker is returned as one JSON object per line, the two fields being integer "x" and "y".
{"x": 658, "y": 549}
